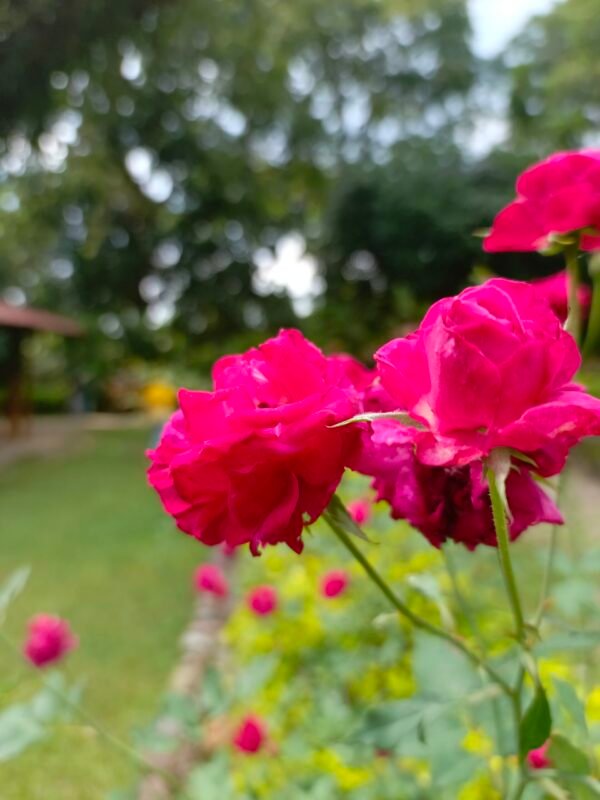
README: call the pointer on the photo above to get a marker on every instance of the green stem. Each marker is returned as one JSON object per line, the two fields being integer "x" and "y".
{"x": 508, "y": 574}
{"x": 404, "y": 610}
{"x": 573, "y": 324}
{"x": 547, "y": 579}
{"x": 592, "y": 336}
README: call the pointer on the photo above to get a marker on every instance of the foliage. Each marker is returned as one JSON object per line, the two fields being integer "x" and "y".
{"x": 554, "y": 76}
{"x": 357, "y": 704}
{"x": 99, "y": 550}
{"x": 175, "y": 152}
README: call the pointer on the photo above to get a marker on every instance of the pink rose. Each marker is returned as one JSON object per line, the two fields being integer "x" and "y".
{"x": 257, "y": 458}
{"x": 251, "y": 734}
{"x": 210, "y": 579}
{"x": 334, "y": 583}
{"x": 263, "y": 600}
{"x": 560, "y": 195}
{"x": 554, "y": 291}
{"x": 360, "y": 510}
{"x": 538, "y": 758}
{"x": 490, "y": 368}
{"x": 49, "y": 639}
{"x": 447, "y": 502}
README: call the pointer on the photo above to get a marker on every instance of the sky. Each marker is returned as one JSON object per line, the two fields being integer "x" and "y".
{"x": 495, "y": 22}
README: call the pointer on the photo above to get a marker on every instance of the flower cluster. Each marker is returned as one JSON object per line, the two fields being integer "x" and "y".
{"x": 491, "y": 370}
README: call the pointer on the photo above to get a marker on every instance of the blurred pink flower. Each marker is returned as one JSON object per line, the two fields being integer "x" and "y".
{"x": 360, "y": 510}
{"x": 263, "y": 600}
{"x": 258, "y": 458}
{"x": 210, "y": 579}
{"x": 554, "y": 290}
{"x": 251, "y": 734}
{"x": 538, "y": 758}
{"x": 49, "y": 639}
{"x": 334, "y": 583}
{"x": 560, "y": 195}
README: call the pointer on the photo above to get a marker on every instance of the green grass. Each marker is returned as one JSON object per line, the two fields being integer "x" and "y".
{"x": 105, "y": 556}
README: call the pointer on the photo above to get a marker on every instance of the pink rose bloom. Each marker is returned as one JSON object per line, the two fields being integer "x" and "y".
{"x": 251, "y": 734}
{"x": 491, "y": 367}
{"x": 560, "y": 195}
{"x": 257, "y": 458}
{"x": 49, "y": 639}
{"x": 447, "y": 502}
{"x": 554, "y": 290}
{"x": 263, "y": 600}
{"x": 360, "y": 510}
{"x": 538, "y": 758}
{"x": 210, "y": 579}
{"x": 334, "y": 583}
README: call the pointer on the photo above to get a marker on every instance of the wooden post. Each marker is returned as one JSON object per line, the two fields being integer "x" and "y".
{"x": 16, "y": 400}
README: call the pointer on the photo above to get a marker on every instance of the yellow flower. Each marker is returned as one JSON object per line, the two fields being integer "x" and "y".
{"x": 478, "y": 743}
{"x": 479, "y": 789}
{"x": 592, "y": 706}
{"x": 346, "y": 777}
{"x": 551, "y": 667}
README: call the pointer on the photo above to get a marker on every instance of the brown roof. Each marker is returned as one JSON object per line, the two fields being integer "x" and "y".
{"x": 36, "y": 319}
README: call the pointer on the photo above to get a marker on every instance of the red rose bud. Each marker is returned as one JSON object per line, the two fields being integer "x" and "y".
{"x": 251, "y": 735}
{"x": 538, "y": 759}
{"x": 262, "y": 600}
{"x": 49, "y": 639}
{"x": 210, "y": 579}
{"x": 334, "y": 583}
{"x": 360, "y": 510}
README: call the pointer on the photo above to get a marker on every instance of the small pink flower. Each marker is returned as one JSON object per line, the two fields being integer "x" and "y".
{"x": 262, "y": 600}
{"x": 209, "y": 578}
{"x": 560, "y": 195}
{"x": 229, "y": 550}
{"x": 360, "y": 510}
{"x": 554, "y": 290}
{"x": 49, "y": 639}
{"x": 538, "y": 758}
{"x": 334, "y": 583}
{"x": 251, "y": 734}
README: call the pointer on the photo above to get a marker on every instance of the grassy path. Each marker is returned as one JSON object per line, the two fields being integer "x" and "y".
{"x": 103, "y": 555}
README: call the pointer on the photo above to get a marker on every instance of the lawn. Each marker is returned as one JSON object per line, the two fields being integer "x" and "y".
{"x": 103, "y": 555}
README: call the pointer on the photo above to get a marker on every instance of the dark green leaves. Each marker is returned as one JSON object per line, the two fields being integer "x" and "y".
{"x": 536, "y": 723}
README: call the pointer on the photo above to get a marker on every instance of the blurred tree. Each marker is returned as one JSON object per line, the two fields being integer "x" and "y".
{"x": 403, "y": 235}
{"x": 555, "y": 100}
{"x": 152, "y": 149}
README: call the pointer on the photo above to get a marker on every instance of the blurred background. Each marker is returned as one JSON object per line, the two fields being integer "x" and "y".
{"x": 178, "y": 180}
{"x": 185, "y": 177}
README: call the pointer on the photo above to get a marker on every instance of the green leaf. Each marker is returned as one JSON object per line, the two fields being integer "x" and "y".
{"x": 536, "y": 724}
{"x": 566, "y": 757}
{"x": 429, "y": 587}
{"x": 569, "y": 640}
{"x": 12, "y": 587}
{"x": 441, "y": 670}
{"x": 339, "y": 515}
{"x": 19, "y": 729}
{"x": 386, "y": 726}
{"x": 401, "y": 416}
{"x": 569, "y": 702}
